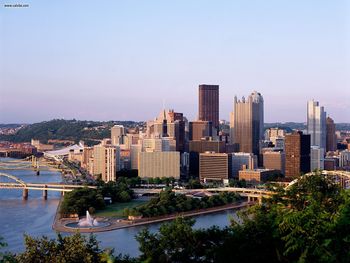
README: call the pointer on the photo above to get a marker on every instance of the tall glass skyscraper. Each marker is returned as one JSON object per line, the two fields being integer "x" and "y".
{"x": 248, "y": 123}
{"x": 316, "y": 124}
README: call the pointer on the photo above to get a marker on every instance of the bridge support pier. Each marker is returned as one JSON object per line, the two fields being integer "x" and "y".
{"x": 45, "y": 193}
{"x": 25, "y": 194}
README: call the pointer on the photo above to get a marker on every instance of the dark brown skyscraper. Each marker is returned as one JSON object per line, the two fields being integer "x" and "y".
{"x": 331, "y": 139}
{"x": 208, "y": 109}
{"x": 297, "y": 146}
{"x": 199, "y": 130}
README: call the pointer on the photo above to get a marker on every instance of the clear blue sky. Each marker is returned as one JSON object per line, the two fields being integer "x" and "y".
{"x": 102, "y": 60}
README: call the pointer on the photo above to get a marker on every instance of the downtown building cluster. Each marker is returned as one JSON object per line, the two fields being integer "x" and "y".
{"x": 213, "y": 150}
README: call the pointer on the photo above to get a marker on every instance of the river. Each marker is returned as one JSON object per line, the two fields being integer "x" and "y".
{"x": 35, "y": 216}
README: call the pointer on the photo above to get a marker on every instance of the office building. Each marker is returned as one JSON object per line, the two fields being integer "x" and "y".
{"x": 208, "y": 105}
{"x": 317, "y": 158}
{"x": 106, "y": 161}
{"x": 242, "y": 160}
{"x": 117, "y": 134}
{"x": 248, "y": 123}
{"x": 316, "y": 124}
{"x": 135, "y": 149}
{"x": 274, "y": 160}
{"x": 331, "y": 139}
{"x": 159, "y": 164}
{"x": 168, "y": 124}
{"x": 163, "y": 144}
{"x": 199, "y": 130}
{"x": 297, "y": 149}
{"x": 344, "y": 159}
{"x": 207, "y": 146}
{"x": 256, "y": 175}
{"x": 213, "y": 166}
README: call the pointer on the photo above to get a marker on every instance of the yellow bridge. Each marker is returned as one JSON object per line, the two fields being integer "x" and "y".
{"x": 19, "y": 184}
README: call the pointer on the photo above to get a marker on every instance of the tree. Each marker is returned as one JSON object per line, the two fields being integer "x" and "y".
{"x": 75, "y": 248}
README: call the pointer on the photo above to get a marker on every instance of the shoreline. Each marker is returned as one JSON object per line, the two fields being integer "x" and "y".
{"x": 115, "y": 224}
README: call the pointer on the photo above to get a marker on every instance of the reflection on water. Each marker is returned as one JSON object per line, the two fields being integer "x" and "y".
{"x": 35, "y": 216}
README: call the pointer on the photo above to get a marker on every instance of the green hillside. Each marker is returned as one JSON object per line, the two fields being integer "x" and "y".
{"x": 66, "y": 130}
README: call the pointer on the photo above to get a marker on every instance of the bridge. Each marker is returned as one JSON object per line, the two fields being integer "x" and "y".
{"x": 19, "y": 184}
{"x": 31, "y": 162}
{"x": 340, "y": 177}
{"x": 251, "y": 193}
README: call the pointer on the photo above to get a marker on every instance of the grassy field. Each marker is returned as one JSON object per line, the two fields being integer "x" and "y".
{"x": 116, "y": 210}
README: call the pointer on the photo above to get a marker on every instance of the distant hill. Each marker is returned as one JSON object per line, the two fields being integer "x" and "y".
{"x": 60, "y": 129}
{"x": 289, "y": 126}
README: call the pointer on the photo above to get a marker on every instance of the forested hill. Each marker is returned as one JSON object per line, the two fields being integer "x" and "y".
{"x": 60, "y": 129}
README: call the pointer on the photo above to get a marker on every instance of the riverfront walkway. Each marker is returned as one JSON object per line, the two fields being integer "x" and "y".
{"x": 114, "y": 224}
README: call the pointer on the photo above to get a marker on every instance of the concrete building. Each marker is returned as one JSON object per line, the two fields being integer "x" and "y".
{"x": 106, "y": 161}
{"x": 242, "y": 161}
{"x": 199, "y": 130}
{"x": 317, "y": 158}
{"x": 213, "y": 166}
{"x": 316, "y": 124}
{"x": 135, "y": 149}
{"x": 164, "y": 144}
{"x": 344, "y": 159}
{"x": 117, "y": 134}
{"x": 202, "y": 146}
{"x": 248, "y": 123}
{"x": 208, "y": 104}
{"x": 168, "y": 124}
{"x": 274, "y": 160}
{"x": 331, "y": 139}
{"x": 159, "y": 164}
{"x": 256, "y": 175}
{"x": 297, "y": 148}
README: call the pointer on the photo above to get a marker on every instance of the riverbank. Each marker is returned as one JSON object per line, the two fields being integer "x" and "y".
{"x": 115, "y": 224}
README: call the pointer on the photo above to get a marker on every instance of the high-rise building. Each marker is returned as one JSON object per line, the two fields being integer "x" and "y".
{"x": 331, "y": 139}
{"x": 117, "y": 134}
{"x": 106, "y": 161}
{"x": 297, "y": 148}
{"x": 274, "y": 160}
{"x": 159, "y": 144}
{"x": 135, "y": 149}
{"x": 317, "y": 158}
{"x": 316, "y": 124}
{"x": 208, "y": 106}
{"x": 159, "y": 164}
{"x": 168, "y": 124}
{"x": 248, "y": 123}
{"x": 241, "y": 161}
{"x": 199, "y": 130}
{"x": 213, "y": 166}
{"x": 256, "y": 175}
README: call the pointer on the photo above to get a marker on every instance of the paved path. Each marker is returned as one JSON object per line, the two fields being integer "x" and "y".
{"x": 60, "y": 224}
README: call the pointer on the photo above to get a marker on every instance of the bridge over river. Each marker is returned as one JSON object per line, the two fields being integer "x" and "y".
{"x": 16, "y": 183}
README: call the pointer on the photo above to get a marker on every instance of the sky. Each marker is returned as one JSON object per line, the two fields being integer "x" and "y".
{"x": 124, "y": 60}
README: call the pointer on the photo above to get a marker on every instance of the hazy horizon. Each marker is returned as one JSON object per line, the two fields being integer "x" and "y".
{"x": 124, "y": 60}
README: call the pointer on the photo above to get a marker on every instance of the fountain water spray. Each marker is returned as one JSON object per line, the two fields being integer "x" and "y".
{"x": 88, "y": 221}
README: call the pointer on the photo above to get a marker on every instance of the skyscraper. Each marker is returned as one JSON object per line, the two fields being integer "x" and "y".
{"x": 316, "y": 124}
{"x": 208, "y": 106}
{"x": 199, "y": 130}
{"x": 117, "y": 133}
{"x": 248, "y": 123}
{"x": 331, "y": 138}
{"x": 297, "y": 147}
{"x": 106, "y": 161}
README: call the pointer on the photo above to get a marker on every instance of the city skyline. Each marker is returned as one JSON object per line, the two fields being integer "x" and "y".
{"x": 106, "y": 62}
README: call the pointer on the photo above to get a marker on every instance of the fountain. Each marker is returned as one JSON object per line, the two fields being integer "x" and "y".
{"x": 88, "y": 221}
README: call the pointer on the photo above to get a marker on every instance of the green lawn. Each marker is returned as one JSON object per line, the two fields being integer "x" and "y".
{"x": 116, "y": 210}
